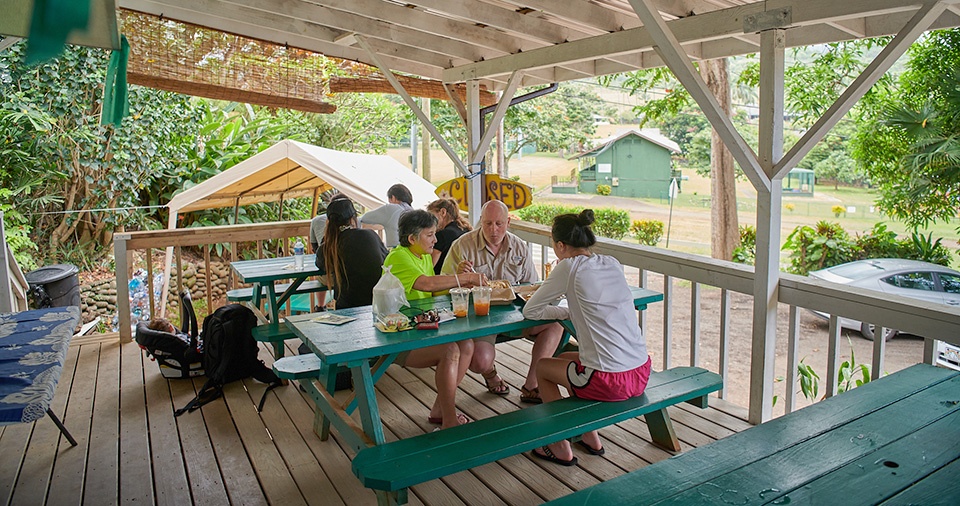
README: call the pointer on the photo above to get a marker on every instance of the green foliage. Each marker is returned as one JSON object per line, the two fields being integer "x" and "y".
{"x": 847, "y": 376}
{"x": 647, "y": 232}
{"x": 604, "y": 189}
{"x": 814, "y": 248}
{"x": 746, "y": 251}
{"x": 69, "y": 162}
{"x": 16, "y": 229}
{"x": 923, "y": 247}
{"x": 828, "y": 244}
{"x": 910, "y": 144}
{"x": 878, "y": 242}
{"x": 612, "y": 223}
{"x": 809, "y": 381}
{"x": 544, "y": 213}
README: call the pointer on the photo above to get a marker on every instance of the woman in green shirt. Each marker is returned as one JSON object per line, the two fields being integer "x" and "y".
{"x": 411, "y": 262}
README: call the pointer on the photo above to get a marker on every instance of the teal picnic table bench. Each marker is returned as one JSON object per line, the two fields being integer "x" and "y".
{"x": 895, "y": 440}
{"x": 393, "y": 467}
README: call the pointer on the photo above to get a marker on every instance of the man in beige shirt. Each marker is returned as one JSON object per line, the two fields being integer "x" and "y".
{"x": 498, "y": 254}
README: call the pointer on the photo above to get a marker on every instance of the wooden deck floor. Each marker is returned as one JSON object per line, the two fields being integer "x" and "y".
{"x": 132, "y": 449}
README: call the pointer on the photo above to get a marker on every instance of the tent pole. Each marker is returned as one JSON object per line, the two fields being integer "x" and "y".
{"x": 236, "y": 211}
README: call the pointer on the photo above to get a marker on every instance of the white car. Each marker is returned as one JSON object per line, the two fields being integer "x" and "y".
{"x": 909, "y": 278}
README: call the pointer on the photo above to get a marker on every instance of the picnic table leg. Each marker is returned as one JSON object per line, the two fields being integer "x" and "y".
{"x": 661, "y": 430}
{"x": 367, "y": 402}
{"x": 394, "y": 498}
{"x": 321, "y": 424}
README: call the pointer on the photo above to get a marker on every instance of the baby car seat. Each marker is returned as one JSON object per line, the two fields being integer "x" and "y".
{"x": 179, "y": 355}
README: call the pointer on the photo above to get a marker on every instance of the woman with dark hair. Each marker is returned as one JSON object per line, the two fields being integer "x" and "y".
{"x": 349, "y": 256}
{"x": 450, "y": 225}
{"x": 612, "y": 364}
{"x": 412, "y": 264}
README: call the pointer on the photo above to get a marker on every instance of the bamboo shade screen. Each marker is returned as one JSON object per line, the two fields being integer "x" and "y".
{"x": 192, "y": 60}
{"x": 184, "y": 58}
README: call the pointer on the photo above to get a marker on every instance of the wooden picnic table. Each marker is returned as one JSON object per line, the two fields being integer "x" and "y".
{"x": 357, "y": 343}
{"x": 895, "y": 440}
{"x": 262, "y": 273}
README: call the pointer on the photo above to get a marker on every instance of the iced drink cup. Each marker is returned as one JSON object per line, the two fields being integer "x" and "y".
{"x": 461, "y": 300}
{"x": 481, "y": 300}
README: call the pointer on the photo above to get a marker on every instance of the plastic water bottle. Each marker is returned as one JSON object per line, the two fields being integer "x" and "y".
{"x": 298, "y": 255}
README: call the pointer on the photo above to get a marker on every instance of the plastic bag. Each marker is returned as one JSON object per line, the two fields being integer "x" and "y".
{"x": 388, "y": 297}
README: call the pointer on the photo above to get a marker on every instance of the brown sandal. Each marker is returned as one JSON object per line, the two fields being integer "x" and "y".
{"x": 531, "y": 396}
{"x": 495, "y": 384}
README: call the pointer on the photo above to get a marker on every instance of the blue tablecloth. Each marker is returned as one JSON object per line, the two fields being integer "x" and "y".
{"x": 33, "y": 346}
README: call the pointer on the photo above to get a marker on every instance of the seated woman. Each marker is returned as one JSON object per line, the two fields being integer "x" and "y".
{"x": 613, "y": 364}
{"x": 349, "y": 256}
{"x": 412, "y": 264}
{"x": 450, "y": 225}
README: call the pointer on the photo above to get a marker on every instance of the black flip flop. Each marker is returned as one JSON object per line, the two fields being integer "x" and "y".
{"x": 550, "y": 457}
{"x": 590, "y": 450}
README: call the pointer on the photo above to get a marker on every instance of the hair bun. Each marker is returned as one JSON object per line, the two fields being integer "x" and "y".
{"x": 586, "y": 217}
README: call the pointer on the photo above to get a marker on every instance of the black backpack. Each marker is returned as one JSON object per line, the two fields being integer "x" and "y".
{"x": 176, "y": 356}
{"x": 230, "y": 354}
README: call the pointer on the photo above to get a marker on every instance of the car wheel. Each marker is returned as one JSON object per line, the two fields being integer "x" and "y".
{"x": 866, "y": 330}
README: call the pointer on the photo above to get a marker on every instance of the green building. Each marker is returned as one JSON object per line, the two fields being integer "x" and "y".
{"x": 634, "y": 163}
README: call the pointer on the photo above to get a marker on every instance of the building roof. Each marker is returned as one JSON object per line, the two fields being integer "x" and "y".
{"x": 650, "y": 134}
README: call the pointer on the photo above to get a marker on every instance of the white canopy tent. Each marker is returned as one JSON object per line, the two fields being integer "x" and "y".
{"x": 291, "y": 169}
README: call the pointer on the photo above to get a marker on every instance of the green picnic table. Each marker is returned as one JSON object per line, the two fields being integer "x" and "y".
{"x": 895, "y": 440}
{"x": 263, "y": 273}
{"x": 356, "y": 343}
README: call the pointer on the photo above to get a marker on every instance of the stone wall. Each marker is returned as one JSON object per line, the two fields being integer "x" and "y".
{"x": 100, "y": 297}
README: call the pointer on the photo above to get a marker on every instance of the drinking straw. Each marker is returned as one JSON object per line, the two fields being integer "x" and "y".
{"x": 457, "y": 277}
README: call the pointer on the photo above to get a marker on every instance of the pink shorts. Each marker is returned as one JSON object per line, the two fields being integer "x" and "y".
{"x": 587, "y": 383}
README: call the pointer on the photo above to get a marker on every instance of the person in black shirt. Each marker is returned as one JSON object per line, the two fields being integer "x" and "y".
{"x": 450, "y": 225}
{"x": 351, "y": 257}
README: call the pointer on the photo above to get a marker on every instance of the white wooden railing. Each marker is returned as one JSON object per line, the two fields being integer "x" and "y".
{"x": 916, "y": 317}
{"x": 676, "y": 269}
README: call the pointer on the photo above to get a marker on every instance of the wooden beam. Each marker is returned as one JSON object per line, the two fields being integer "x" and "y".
{"x": 427, "y": 124}
{"x": 707, "y": 26}
{"x": 669, "y": 49}
{"x": 501, "y": 110}
{"x": 766, "y": 279}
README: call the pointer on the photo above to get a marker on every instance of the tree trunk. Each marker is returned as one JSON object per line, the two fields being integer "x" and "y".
{"x": 725, "y": 233}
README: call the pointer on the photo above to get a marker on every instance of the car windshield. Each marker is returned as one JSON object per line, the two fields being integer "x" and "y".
{"x": 855, "y": 270}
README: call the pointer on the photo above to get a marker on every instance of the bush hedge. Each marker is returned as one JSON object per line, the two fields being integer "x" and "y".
{"x": 612, "y": 223}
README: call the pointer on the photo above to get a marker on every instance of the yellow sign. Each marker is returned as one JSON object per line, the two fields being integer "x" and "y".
{"x": 512, "y": 193}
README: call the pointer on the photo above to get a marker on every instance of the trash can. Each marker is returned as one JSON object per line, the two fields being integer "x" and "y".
{"x": 55, "y": 286}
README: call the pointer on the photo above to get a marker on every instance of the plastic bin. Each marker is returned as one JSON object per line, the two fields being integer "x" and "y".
{"x": 55, "y": 285}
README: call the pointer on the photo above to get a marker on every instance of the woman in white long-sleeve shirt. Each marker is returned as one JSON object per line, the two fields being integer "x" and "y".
{"x": 613, "y": 363}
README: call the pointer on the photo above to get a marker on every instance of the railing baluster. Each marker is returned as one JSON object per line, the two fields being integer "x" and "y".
{"x": 643, "y": 314}
{"x": 724, "y": 339}
{"x": 179, "y": 253}
{"x": 879, "y": 348}
{"x": 793, "y": 350}
{"x": 152, "y": 306}
{"x": 206, "y": 267}
{"x": 833, "y": 355}
{"x": 667, "y": 341}
{"x": 695, "y": 324}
